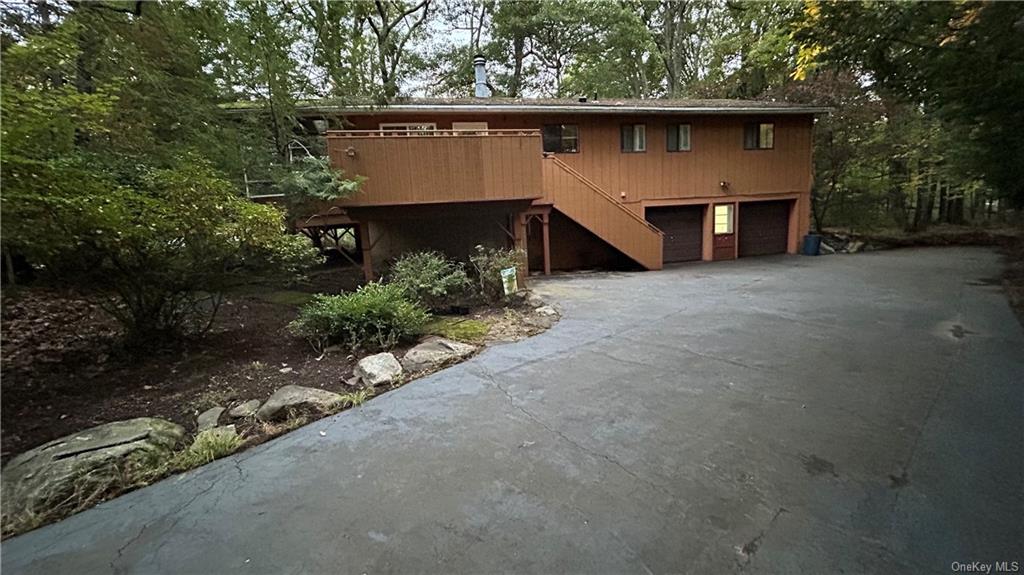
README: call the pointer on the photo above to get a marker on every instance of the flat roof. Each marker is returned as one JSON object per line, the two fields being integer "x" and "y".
{"x": 548, "y": 105}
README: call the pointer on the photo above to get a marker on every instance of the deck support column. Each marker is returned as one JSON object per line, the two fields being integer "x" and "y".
{"x": 364, "y": 241}
{"x": 521, "y": 237}
{"x": 547, "y": 244}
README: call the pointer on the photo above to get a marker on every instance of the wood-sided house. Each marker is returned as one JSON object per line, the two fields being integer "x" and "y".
{"x": 575, "y": 183}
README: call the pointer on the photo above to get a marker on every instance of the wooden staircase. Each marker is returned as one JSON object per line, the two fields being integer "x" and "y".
{"x": 584, "y": 202}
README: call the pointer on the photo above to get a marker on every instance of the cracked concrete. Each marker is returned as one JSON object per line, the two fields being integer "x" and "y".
{"x": 664, "y": 425}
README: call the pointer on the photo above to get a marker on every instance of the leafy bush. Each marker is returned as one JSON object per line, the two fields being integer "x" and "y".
{"x": 431, "y": 279}
{"x": 163, "y": 244}
{"x": 310, "y": 182}
{"x": 374, "y": 317}
{"x": 488, "y": 263}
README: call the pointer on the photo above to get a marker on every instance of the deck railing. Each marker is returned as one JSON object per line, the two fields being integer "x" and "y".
{"x": 439, "y": 166}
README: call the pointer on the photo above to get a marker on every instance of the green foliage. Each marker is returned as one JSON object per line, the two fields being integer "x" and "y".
{"x": 459, "y": 328}
{"x": 374, "y": 317}
{"x": 431, "y": 279}
{"x": 488, "y": 263}
{"x": 355, "y": 398}
{"x": 162, "y": 243}
{"x": 310, "y": 184}
{"x": 207, "y": 446}
{"x": 960, "y": 62}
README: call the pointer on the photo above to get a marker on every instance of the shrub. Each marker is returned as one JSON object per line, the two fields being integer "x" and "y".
{"x": 163, "y": 244}
{"x": 488, "y": 263}
{"x": 375, "y": 317}
{"x": 431, "y": 279}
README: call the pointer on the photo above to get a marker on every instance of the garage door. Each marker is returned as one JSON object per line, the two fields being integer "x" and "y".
{"x": 764, "y": 228}
{"x": 682, "y": 226}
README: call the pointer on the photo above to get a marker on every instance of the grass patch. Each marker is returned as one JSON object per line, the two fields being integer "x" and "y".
{"x": 207, "y": 446}
{"x": 286, "y": 297}
{"x": 460, "y": 329}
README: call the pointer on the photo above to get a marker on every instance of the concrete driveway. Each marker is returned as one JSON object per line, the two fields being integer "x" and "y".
{"x": 855, "y": 414}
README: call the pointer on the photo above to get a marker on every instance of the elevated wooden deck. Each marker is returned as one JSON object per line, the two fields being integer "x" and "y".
{"x": 435, "y": 167}
{"x": 439, "y": 166}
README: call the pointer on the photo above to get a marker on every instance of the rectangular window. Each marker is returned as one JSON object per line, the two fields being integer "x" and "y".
{"x": 678, "y": 138}
{"x": 470, "y": 127}
{"x": 416, "y": 128}
{"x": 723, "y": 219}
{"x": 759, "y": 136}
{"x": 561, "y": 138}
{"x": 634, "y": 138}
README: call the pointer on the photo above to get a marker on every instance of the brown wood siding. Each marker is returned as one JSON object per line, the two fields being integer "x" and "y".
{"x": 683, "y": 229}
{"x": 417, "y": 169}
{"x": 716, "y": 154}
{"x": 586, "y": 204}
{"x": 763, "y": 228}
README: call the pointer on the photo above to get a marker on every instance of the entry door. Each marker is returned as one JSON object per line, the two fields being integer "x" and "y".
{"x": 724, "y": 232}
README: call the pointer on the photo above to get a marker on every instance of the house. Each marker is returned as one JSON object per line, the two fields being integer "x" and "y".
{"x": 575, "y": 183}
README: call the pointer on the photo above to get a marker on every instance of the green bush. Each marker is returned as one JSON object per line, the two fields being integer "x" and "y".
{"x": 375, "y": 317}
{"x": 488, "y": 263}
{"x": 431, "y": 279}
{"x": 163, "y": 245}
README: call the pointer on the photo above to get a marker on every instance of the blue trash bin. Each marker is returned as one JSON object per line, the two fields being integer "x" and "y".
{"x": 812, "y": 244}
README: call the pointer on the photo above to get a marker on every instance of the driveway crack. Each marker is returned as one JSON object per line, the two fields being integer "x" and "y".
{"x": 593, "y": 453}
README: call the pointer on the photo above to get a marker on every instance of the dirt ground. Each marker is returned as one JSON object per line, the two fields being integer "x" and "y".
{"x": 63, "y": 369}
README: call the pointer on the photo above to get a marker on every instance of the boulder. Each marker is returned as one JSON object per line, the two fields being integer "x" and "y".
{"x": 533, "y": 300}
{"x": 247, "y": 409}
{"x": 546, "y": 310}
{"x": 34, "y": 479}
{"x": 209, "y": 418}
{"x": 378, "y": 369}
{"x": 296, "y": 396}
{"x": 433, "y": 352}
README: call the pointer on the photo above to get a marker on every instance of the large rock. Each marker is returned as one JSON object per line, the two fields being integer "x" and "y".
{"x": 247, "y": 409}
{"x": 433, "y": 352}
{"x": 36, "y": 478}
{"x": 209, "y": 418}
{"x": 291, "y": 396}
{"x": 378, "y": 369}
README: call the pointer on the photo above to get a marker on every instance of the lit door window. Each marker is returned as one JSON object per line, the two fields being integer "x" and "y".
{"x": 723, "y": 219}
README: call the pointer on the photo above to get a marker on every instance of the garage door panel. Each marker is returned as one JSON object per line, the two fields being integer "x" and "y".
{"x": 683, "y": 229}
{"x": 764, "y": 228}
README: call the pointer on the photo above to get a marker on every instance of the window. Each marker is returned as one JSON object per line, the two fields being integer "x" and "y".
{"x": 678, "y": 138}
{"x": 634, "y": 138}
{"x": 759, "y": 136}
{"x": 413, "y": 128}
{"x": 470, "y": 127}
{"x": 723, "y": 219}
{"x": 562, "y": 138}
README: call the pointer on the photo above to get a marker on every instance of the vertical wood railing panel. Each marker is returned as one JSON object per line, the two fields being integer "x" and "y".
{"x": 593, "y": 208}
{"x": 439, "y": 166}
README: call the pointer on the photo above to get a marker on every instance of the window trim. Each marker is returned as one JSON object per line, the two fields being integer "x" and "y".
{"x": 676, "y": 127}
{"x": 561, "y": 139}
{"x": 757, "y": 131}
{"x": 633, "y": 128}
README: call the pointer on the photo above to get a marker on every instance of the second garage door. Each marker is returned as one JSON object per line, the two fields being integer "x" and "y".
{"x": 764, "y": 228}
{"x": 683, "y": 229}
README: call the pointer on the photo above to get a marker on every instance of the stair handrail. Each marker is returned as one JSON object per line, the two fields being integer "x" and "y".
{"x": 597, "y": 189}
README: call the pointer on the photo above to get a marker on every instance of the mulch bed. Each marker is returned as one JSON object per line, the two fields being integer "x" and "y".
{"x": 63, "y": 369}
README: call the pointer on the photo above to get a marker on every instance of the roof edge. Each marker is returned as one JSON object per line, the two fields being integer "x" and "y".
{"x": 551, "y": 108}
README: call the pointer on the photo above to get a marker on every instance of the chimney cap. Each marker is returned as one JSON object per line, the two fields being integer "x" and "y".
{"x": 479, "y": 59}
